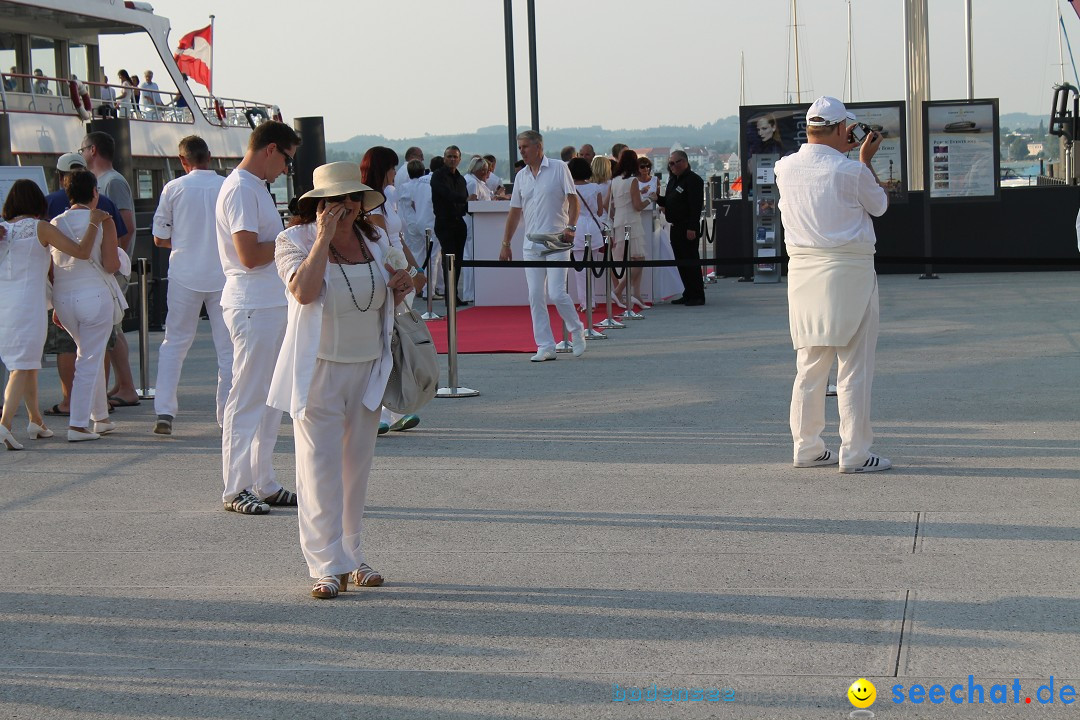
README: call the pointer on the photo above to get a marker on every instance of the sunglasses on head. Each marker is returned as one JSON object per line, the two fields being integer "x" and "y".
{"x": 355, "y": 197}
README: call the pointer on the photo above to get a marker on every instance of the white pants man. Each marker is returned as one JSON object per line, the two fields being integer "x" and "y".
{"x": 250, "y": 426}
{"x": 181, "y": 324}
{"x": 854, "y": 381}
{"x": 553, "y": 281}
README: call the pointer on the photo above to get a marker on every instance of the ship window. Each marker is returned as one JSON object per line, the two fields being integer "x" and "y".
{"x": 8, "y": 59}
{"x": 144, "y": 183}
{"x": 43, "y": 57}
{"x": 78, "y": 62}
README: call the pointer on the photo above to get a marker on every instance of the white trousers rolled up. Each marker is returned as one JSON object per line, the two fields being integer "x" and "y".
{"x": 335, "y": 444}
{"x": 181, "y": 324}
{"x": 854, "y": 381}
{"x": 88, "y": 317}
{"x": 250, "y": 426}
{"x": 551, "y": 281}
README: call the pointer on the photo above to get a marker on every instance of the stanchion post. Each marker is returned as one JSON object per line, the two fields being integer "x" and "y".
{"x": 145, "y": 392}
{"x": 590, "y": 334}
{"x": 433, "y": 278}
{"x": 710, "y": 277}
{"x": 628, "y": 313}
{"x": 565, "y": 346}
{"x": 452, "y": 391}
{"x": 609, "y": 323}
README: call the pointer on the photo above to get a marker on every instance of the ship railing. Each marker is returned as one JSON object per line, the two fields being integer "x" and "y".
{"x": 21, "y": 92}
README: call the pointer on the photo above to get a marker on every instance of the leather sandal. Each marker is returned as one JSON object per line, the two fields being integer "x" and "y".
{"x": 328, "y": 586}
{"x": 364, "y": 576}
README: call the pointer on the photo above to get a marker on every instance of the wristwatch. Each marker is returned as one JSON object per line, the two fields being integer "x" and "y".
{"x": 572, "y": 228}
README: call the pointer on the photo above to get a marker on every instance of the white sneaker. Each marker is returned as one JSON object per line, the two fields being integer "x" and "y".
{"x": 80, "y": 436}
{"x": 826, "y": 458}
{"x": 104, "y": 427}
{"x": 542, "y": 355}
{"x": 578, "y": 340}
{"x": 872, "y": 464}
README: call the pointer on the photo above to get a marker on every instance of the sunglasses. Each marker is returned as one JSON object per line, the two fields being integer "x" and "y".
{"x": 289, "y": 162}
{"x": 355, "y": 197}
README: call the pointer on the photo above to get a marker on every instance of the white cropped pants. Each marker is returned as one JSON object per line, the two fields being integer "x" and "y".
{"x": 335, "y": 445}
{"x": 181, "y": 324}
{"x": 551, "y": 280}
{"x": 854, "y": 381}
{"x": 250, "y": 426}
{"x": 88, "y": 316}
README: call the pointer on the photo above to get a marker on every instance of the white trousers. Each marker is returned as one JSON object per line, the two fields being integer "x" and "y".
{"x": 250, "y": 426}
{"x": 553, "y": 281}
{"x": 88, "y": 317}
{"x": 854, "y": 379}
{"x": 335, "y": 444}
{"x": 418, "y": 245}
{"x": 181, "y": 324}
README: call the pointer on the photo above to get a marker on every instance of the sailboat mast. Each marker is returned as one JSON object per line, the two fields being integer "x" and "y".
{"x": 795, "y": 25}
{"x": 1061, "y": 29}
{"x": 742, "y": 78}
{"x": 850, "y": 57}
{"x": 970, "y": 65}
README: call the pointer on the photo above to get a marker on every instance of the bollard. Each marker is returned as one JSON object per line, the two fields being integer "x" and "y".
{"x": 628, "y": 313}
{"x": 452, "y": 391}
{"x": 590, "y": 334}
{"x": 432, "y": 279}
{"x": 609, "y": 323}
{"x": 145, "y": 392}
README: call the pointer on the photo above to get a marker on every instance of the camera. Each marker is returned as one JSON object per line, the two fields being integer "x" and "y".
{"x": 859, "y": 132}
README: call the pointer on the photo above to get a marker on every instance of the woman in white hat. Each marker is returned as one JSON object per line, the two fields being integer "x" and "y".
{"x": 334, "y": 363}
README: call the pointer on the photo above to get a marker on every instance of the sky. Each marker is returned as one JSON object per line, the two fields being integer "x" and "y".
{"x": 403, "y": 68}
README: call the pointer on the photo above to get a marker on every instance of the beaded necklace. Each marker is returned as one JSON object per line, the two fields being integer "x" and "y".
{"x": 341, "y": 261}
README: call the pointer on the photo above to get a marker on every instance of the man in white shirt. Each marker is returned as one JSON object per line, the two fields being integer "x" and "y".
{"x": 253, "y": 303}
{"x": 826, "y": 203}
{"x": 494, "y": 182}
{"x": 150, "y": 98}
{"x": 544, "y": 193}
{"x": 185, "y": 223}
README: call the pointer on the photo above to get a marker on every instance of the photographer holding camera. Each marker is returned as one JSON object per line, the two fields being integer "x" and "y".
{"x": 826, "y": 204}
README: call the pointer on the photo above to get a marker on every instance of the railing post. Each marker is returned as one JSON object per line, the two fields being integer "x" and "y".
{"x": 432, "y": 278}
{"x": 145, "y": 392}
{"x": 590, "y": 334}
{"x": 628, "y": 313}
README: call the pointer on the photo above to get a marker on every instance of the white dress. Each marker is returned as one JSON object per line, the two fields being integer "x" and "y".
{"x": 24, "y": 267}
{"x": 625, "y": 215}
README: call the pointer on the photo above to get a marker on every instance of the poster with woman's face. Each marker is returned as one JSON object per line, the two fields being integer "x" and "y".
{"x": 777, "y": 131}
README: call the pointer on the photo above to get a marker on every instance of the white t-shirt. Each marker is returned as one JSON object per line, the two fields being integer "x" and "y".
{"x": 542, "y": 198}
{"x": 477, "y": 188}
{"x": 244, "y": 204}
{"x": 185, "y": 215}
{"x": 494, "y": 182}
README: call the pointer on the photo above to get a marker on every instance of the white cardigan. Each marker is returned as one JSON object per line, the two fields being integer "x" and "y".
{"x": 296, "y": 361}
{"x": 829, "y": 290}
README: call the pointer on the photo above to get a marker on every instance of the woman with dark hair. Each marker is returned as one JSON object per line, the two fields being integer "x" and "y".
{"x": 85, "y": 293}
{"x": 378, "y": 170}
{"x": 24, "y": 267}
{"x": 128, "y": 99}
{"x": 590, "y": 204}
{"x": 627, "y": 203}
{"x": 333, "y": 366}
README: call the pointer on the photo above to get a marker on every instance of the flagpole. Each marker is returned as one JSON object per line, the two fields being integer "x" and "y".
{"x": 212, "y": 43}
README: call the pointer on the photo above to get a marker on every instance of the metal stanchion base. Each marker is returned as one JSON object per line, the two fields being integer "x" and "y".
{"x": 610, "y": 325}
{"x": 146, "y": 393}
{"x": 564, "y": 347}
{"x": 431, "y": 316}
{"x": 929, "y": 276}
{"x": 629, "y": 314}
{"x": 458, "y": 392}
{"x": 710, "y": 278}
{"x": 591, "y": 334}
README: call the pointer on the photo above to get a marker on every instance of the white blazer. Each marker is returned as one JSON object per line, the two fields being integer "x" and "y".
{"x": 296, "y": 362}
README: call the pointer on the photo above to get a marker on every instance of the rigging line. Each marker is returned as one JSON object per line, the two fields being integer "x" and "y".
{"x": 1068, "y": 45}
{"x": 787, "y": 68}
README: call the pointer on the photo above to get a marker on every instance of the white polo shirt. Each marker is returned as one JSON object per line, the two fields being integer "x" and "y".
{"x": 542, "y": 198}
{"x": 244, "y": 204}
{"x": 185, "y": 215}
{"x": 826, "y": 198}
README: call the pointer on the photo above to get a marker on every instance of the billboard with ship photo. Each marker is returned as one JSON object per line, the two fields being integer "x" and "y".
{"x": 961, "y": 149}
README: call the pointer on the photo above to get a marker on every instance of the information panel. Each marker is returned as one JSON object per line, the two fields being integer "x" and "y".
{"x": 962, "y": 157}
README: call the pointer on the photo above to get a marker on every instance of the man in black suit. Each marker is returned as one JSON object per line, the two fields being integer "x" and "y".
{"x": 450, "y": 202}
{"x": 682, "y": 203}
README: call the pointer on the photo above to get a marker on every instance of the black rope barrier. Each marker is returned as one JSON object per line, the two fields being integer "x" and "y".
{"x": 625, "y": 264}
{"x": 879, "y": 259}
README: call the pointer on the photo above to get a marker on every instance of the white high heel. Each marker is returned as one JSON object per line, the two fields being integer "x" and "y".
{"x": 104, "y": 427}
{"x": 8, "y": 439}
{"x": 36, "y": 431}
{"x": 615, "y": 299}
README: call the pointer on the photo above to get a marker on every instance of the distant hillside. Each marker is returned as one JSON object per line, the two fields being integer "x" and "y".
{"x": 493, "y": 139}
{"x": 1018, "y": 121}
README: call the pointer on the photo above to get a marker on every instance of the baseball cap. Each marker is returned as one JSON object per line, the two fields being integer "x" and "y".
{"x": 69, "y": 161}
{"x": 828, "y": 111}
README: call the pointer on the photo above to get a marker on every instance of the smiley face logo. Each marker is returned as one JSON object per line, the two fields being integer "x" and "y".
{"x": 862, "y": 693}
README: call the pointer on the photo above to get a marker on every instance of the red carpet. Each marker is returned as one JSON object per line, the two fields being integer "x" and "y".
{"x": 499, "y": 329}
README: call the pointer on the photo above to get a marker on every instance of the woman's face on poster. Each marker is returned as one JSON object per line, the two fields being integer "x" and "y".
{"x": 765, "y": 129}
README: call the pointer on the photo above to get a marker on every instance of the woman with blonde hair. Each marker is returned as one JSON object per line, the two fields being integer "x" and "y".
{"x": 24, "y": 267}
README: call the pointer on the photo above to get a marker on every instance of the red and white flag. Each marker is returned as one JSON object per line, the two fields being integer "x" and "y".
{"x": 1075, "y": 6}
{"x": 194, "y": 54}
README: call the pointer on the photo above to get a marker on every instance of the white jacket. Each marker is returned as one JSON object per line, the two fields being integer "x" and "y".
{"x": 296, "y": 361}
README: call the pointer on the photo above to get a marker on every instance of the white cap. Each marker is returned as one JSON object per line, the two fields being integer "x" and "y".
{"x": 69, "y": 161}
{"x": 828, "y": 111}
